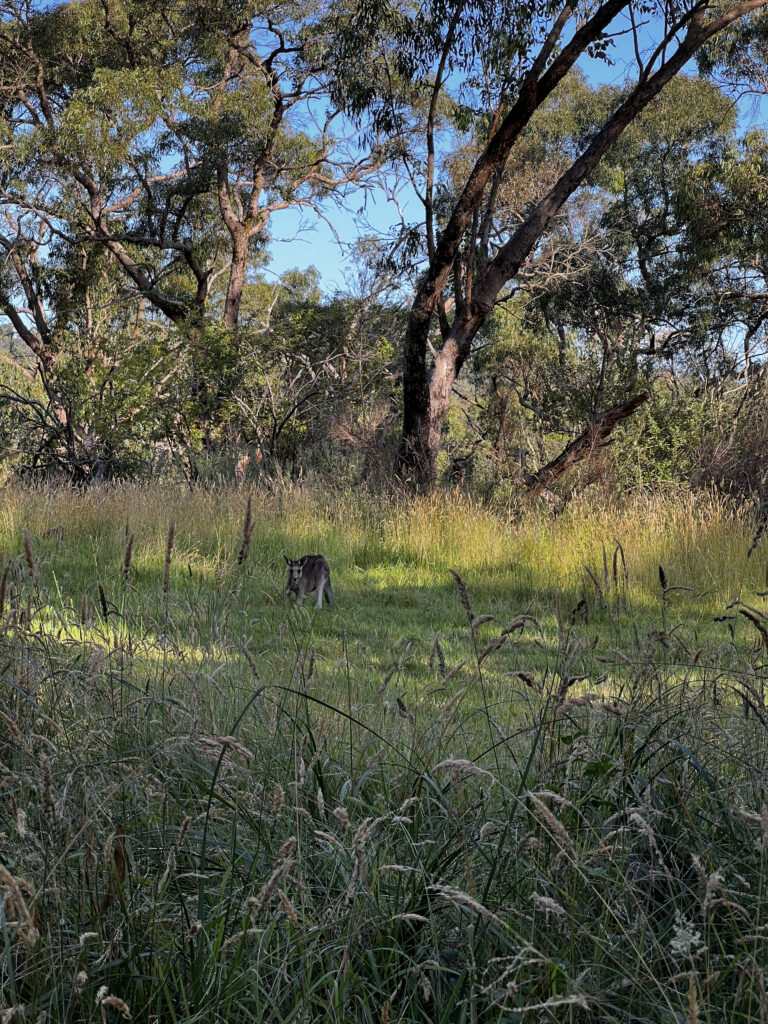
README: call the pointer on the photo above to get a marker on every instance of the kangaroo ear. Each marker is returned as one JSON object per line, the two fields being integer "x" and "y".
{"x": 287, "y": 559}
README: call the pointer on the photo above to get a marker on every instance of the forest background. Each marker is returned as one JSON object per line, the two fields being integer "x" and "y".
{"x": 147, "y": 151}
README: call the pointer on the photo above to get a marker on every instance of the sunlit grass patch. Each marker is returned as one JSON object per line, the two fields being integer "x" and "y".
{"x": 520, "y": 791}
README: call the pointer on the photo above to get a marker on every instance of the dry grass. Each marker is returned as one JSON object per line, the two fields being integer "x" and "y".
{"x": 530, "y": 791}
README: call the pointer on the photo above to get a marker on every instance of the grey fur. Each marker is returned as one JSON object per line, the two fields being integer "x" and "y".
{"x": 307, "y": 574}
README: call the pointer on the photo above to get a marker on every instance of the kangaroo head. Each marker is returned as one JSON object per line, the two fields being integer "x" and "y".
{"x": 295, "y": 569}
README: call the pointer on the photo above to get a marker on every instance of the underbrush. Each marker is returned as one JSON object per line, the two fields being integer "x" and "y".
{"x": 533, "y": 789}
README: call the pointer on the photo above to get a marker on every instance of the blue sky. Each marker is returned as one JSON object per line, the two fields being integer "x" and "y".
{"x": 303, "y": 240}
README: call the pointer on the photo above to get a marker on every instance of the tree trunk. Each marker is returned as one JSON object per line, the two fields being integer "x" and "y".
{"x": 427, "y": 401}
{"x": 237, "y": 275}
{"x": 415, "y": 466}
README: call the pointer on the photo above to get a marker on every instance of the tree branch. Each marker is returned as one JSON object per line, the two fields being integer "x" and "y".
{"x": 594, "y": 437}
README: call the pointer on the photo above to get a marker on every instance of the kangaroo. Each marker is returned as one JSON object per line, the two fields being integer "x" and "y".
{"x": 308, "y": 573}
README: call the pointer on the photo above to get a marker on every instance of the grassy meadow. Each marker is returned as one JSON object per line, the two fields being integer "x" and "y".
{"x": 517, "y": 772}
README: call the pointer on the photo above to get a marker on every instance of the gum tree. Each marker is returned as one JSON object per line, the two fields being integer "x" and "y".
{"x": 495, "y": 65}
{"x": 168, "y": 135}
{"x": 153, "y": 141}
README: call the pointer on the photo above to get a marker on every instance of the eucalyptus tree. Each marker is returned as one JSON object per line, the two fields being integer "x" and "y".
{"x": 167, "y": 134}
{"x": 685, "y": 207}
{"x": 646, "y": 289}
{"x": 263, "y": 124}
{"x": 723, "y": 202}
{"x": 496, "y": 64}
{"x": 155, "y": 141}
{"x": 658, "y": 268}
{"x": 84, "y": 93}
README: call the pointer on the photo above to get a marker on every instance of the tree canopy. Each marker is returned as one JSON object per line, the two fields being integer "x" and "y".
{"x": 145, "y": 147}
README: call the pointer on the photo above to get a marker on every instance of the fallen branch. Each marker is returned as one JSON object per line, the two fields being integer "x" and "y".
{"x": 585, "y": 444}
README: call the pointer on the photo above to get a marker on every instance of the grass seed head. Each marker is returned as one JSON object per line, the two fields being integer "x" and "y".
{"x": 714, "y": 882}
{"x": 454, "y": 671}
{"x": 281, "y": 870}
{"x": 3, "y": 586}
{"x": 478, "y": 621}
{"x": 494, "y": 645}
{"x": 548, "y": 905}
{"x": 241, "y": 467}
{"x": 554, "y": 826}
{"x": 450, "y": 707}
{"x": 458, "y": 764}
{"x": 103, "y": 601}
{"x": 183, "y": 831}
{"x": 103, "y": 998}
{"x": 170, "y": 865}
{"x": 247, "y": 532}
{"x": 463, "y": 899}
{"x": 359, "y": 858}
{"x": 403, "y": 712}
{"x": 290, "y": 910}
{"x": 278, "y": 799}
{"x": 127, "y": 556}
{"x": 436, "y": 651}
{"x": 168, "y": 551}
{"x": 16, "y": 905}
{"x": 466, "y": 601}
{"x": 15, "y": 732}
{"x": 577, "y": 702}
{"x": 27, "y": 545}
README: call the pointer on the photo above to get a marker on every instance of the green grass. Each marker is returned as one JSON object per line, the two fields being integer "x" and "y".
{"x": 216, "y": 807}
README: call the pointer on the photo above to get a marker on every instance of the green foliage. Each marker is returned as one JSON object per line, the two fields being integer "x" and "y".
{"x": 663, "y": 443}
{"x": 653, "y": 281}
{"x": 320, "y": 364}
{"x": 145, "y": 145}
{"x": 19, "y": 431}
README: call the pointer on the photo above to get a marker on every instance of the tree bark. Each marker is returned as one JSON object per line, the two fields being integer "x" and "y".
{"x": 594, "y": 437}
{"x": 237, "y": 274}
{"x": 416, "y": 464}
{"x": 426, "y": 391}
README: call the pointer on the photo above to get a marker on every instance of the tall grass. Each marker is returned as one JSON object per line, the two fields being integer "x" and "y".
{"x": 530, "y": 790}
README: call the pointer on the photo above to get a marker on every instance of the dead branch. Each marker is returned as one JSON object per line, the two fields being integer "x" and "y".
{"x": 593, "y": 438}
